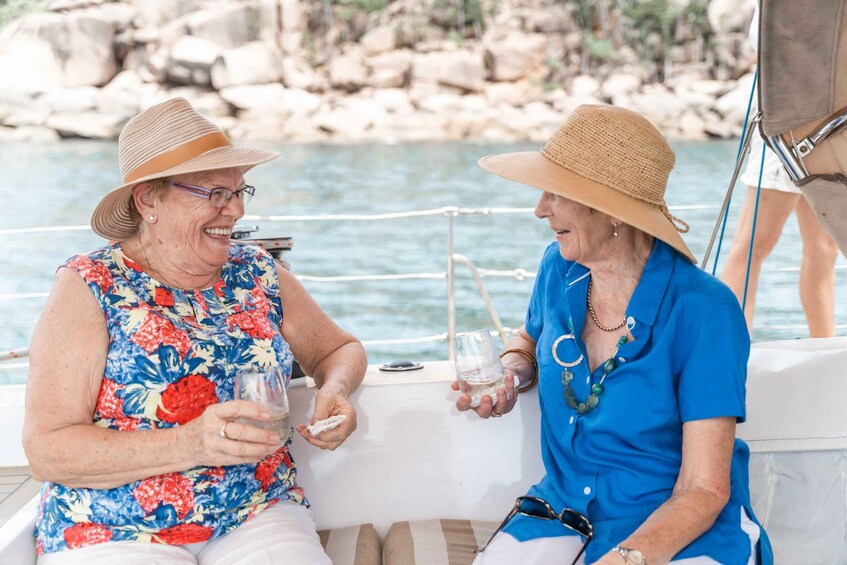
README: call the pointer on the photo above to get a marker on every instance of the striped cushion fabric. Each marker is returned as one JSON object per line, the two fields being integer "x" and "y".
{"x": 435, "y": 542}
{"x": 355, "y": 545}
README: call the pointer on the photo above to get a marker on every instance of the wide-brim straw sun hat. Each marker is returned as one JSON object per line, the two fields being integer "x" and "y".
{"x": 609, "y": 159}
{"x": 167, "y": 139}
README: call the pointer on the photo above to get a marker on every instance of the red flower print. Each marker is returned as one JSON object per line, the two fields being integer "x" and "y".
{"x": 92, "y": 272}
{"x": 182, "y": 534}
{"x": 108, "y": 403}
{"x": 173, "y": 489}
{"x": 266, "y": 468}
{"x": 186, "y": 399}
{"x": 163, "y": 297}
{"x": 126, "y": 424}
{"x": 156, "y": 331}
{"x": 132, "y": 264}
{"x": 201, "y": 300}
{"x": 219, "y": 288}
{"x": 86, "y": 533}
{"x": 254, "y": 322}
{"x": 39, "y": 547}
{"x": 215, "y": 474}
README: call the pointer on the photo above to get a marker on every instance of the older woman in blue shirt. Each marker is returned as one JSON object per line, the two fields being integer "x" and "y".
{"x": 641, "y": 362}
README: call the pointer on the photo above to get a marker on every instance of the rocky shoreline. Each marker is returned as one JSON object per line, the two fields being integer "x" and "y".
{"x": 292, "y": 70}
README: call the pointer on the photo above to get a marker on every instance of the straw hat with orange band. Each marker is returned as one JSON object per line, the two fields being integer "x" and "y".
{"x": 168, "y": 139}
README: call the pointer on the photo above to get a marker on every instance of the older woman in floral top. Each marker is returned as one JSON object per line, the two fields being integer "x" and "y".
{"x": 130, "y": 420}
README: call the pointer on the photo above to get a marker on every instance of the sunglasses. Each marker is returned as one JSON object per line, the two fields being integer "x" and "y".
{"x": 535, "y": 507}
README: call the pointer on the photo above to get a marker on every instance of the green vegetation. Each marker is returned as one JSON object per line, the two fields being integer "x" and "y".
{"x": 14, "y": 9}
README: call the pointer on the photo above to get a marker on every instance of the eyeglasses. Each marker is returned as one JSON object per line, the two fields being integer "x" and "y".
{"x": 535, "y": 507}
{"x": 218, "y": 197}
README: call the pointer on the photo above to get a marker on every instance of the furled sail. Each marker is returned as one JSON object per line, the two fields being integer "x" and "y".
{"x": 803, "y": 100}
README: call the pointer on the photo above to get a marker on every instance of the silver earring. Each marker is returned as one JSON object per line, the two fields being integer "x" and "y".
{"x": 152, "y": 218}
{"x": 615, "y": 233}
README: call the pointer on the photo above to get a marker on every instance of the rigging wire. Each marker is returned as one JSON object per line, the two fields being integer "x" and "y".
{"x": 753, "y": 229}
{"x": 738, "y": 156}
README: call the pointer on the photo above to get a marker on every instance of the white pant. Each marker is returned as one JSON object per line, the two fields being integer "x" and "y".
{"x": 506, "y": 550}
{"x": 282, "y": 534}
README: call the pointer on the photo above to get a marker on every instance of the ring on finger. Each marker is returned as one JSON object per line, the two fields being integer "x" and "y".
{"x": 495, "y": 414}
{"x": 223, "y": 431}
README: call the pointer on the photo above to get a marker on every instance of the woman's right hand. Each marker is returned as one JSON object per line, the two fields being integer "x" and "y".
{"x": 507, "y": 396}
{"x": 215, "y": 439}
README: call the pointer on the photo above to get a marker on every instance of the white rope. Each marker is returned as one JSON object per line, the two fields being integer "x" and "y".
{"x": 423, "y": 339}
{"x": 44, "y": 229}
{"x": 24, "y": 295}
{"x": 14, "y": 354}
{"x": 445, "y": 211}
{"x": 343, "y": 278}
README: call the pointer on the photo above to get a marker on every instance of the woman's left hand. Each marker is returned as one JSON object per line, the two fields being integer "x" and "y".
{"x": 330, "y": 403}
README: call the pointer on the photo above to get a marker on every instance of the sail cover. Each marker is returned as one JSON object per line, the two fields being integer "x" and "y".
{"x": 803, "y": 98}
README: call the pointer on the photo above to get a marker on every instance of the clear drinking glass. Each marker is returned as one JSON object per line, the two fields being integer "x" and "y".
{"x": 265, "y": 387}
{"x": 478, "y": 367}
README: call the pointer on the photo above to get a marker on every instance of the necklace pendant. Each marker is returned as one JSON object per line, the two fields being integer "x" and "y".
{"x": 597, "y": 389}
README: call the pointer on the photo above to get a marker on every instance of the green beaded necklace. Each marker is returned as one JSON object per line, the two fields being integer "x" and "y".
{"x": 596, "y": 389}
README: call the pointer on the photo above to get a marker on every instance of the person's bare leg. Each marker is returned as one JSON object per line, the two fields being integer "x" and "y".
{"x": 774, "y": 209}
{"x": 817, "y": 273}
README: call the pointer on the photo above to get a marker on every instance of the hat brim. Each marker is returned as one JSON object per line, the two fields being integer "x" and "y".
{"x": 112, "y": 218}
{"x": 532, "y": 168}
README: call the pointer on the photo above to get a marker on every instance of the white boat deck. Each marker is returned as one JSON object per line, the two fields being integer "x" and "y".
{"x": 16, "y": 488}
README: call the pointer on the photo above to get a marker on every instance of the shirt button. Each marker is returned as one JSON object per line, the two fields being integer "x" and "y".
{"x": 571, "y": 420}
{"x": 621, "y": 359}
{"x": 588, "y": 380}
{"x": 630, "y": 322}
{"x": 587, "y": 490}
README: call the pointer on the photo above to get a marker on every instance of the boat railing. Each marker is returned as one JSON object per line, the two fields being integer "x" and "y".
{"x": 452, "y": 259}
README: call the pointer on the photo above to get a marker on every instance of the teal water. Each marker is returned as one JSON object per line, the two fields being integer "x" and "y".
{"x": 58, "y": 184}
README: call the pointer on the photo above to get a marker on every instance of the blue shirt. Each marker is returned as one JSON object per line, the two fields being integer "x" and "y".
{"x": 619, "y": 462}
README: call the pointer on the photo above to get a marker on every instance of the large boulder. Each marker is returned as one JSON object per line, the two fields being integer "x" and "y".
{"x": 207, "y": 102}
{"x": 726, "y": 16}
{"x": 390, "y": 70}
{"x": 348, "y": 71}
{"x": 584, "y": 86}
{"x": 228, "y": 25}
{"x": 44, "y": 51}
{"x": 380, "y": 39}
{"x": 515, "y": 94}
{"x": 392, "y": 99}
{"x": 191, "y": 60}
{"x": 252, "y": 97}
{"x": 295, "y": 22}
{"x": 297, "y": 73}
{"x": 155, "y": 13}
{"x": 620, "y": 84}
{"x": 256, "y": 62}
{"x": 298, "y": 101}
{"x": 87, "y": 125}
{"x": 732, "y": 106}
{"x": 461, "y": 69}
{"x": 515, "y": 56}
{"x": 70, "y": 100}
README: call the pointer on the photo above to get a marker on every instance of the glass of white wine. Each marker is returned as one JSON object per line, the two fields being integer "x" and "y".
{"x": 265, "y": 387}
{"x": 478, "y": 367}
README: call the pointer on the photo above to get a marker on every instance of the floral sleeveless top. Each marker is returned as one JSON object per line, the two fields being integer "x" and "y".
{"x": 171, "y": 354}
